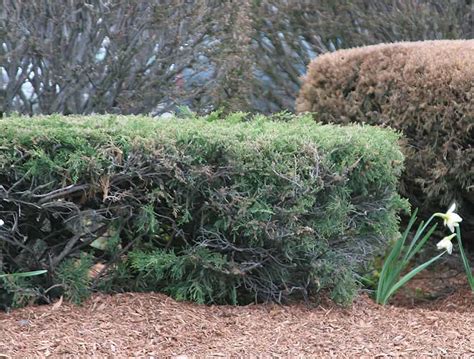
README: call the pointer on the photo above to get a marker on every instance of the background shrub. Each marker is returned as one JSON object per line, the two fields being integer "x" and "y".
{"x": 424, "y": 89}
{"x": 216, "y": 211}
{"x": 90, "y": 57}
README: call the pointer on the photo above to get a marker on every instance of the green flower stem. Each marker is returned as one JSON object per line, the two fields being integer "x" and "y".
{"x": 465, "y": 262}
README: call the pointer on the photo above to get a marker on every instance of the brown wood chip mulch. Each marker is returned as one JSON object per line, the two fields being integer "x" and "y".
{"x": 155, "y": 326}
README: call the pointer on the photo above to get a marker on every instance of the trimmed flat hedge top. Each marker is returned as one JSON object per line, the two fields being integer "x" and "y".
{"x": 88, "y": 143}
{"x": 85, "y": 133}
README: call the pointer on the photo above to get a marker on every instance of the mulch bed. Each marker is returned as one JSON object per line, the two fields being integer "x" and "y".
{"x": 154, "y": 326}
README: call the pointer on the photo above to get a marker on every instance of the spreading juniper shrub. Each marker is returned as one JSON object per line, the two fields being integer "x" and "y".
{"x": 204, "y": 209}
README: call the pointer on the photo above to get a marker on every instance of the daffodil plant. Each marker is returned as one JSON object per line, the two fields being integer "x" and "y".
{"x": 400, "y": 256}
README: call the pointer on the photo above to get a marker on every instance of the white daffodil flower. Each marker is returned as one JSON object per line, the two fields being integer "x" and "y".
{"x": 450, "y": 218}
{"x": 446, "y": 243}
{"x": 1, "y": 222}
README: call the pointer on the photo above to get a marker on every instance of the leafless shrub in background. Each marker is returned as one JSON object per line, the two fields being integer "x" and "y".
{"x": 96, "y": 56}
{"x": 76, "y": 57}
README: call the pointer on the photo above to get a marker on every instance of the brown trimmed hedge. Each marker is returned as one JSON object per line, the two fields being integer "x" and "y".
{"x": 424, "y": 89}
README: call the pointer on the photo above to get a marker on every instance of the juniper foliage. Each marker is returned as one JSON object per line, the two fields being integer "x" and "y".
{"x": 213, "y": 210}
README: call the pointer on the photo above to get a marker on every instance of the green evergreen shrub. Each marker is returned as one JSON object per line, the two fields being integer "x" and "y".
{"x": 216, "y": 211}
{"x": 73, "y": 276}
{"x": 424, "y": 89}
{"x": 17, "y": 292}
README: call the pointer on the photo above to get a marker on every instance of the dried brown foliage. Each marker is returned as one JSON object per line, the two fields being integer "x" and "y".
{"x": 288, "y": 34}
{"x": 425, "y": 89}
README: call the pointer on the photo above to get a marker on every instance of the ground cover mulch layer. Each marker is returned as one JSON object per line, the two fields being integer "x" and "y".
{"x": 155, "y": 326}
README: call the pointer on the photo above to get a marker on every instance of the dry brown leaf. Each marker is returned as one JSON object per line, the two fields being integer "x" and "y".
{"x": 57, "y": 304}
